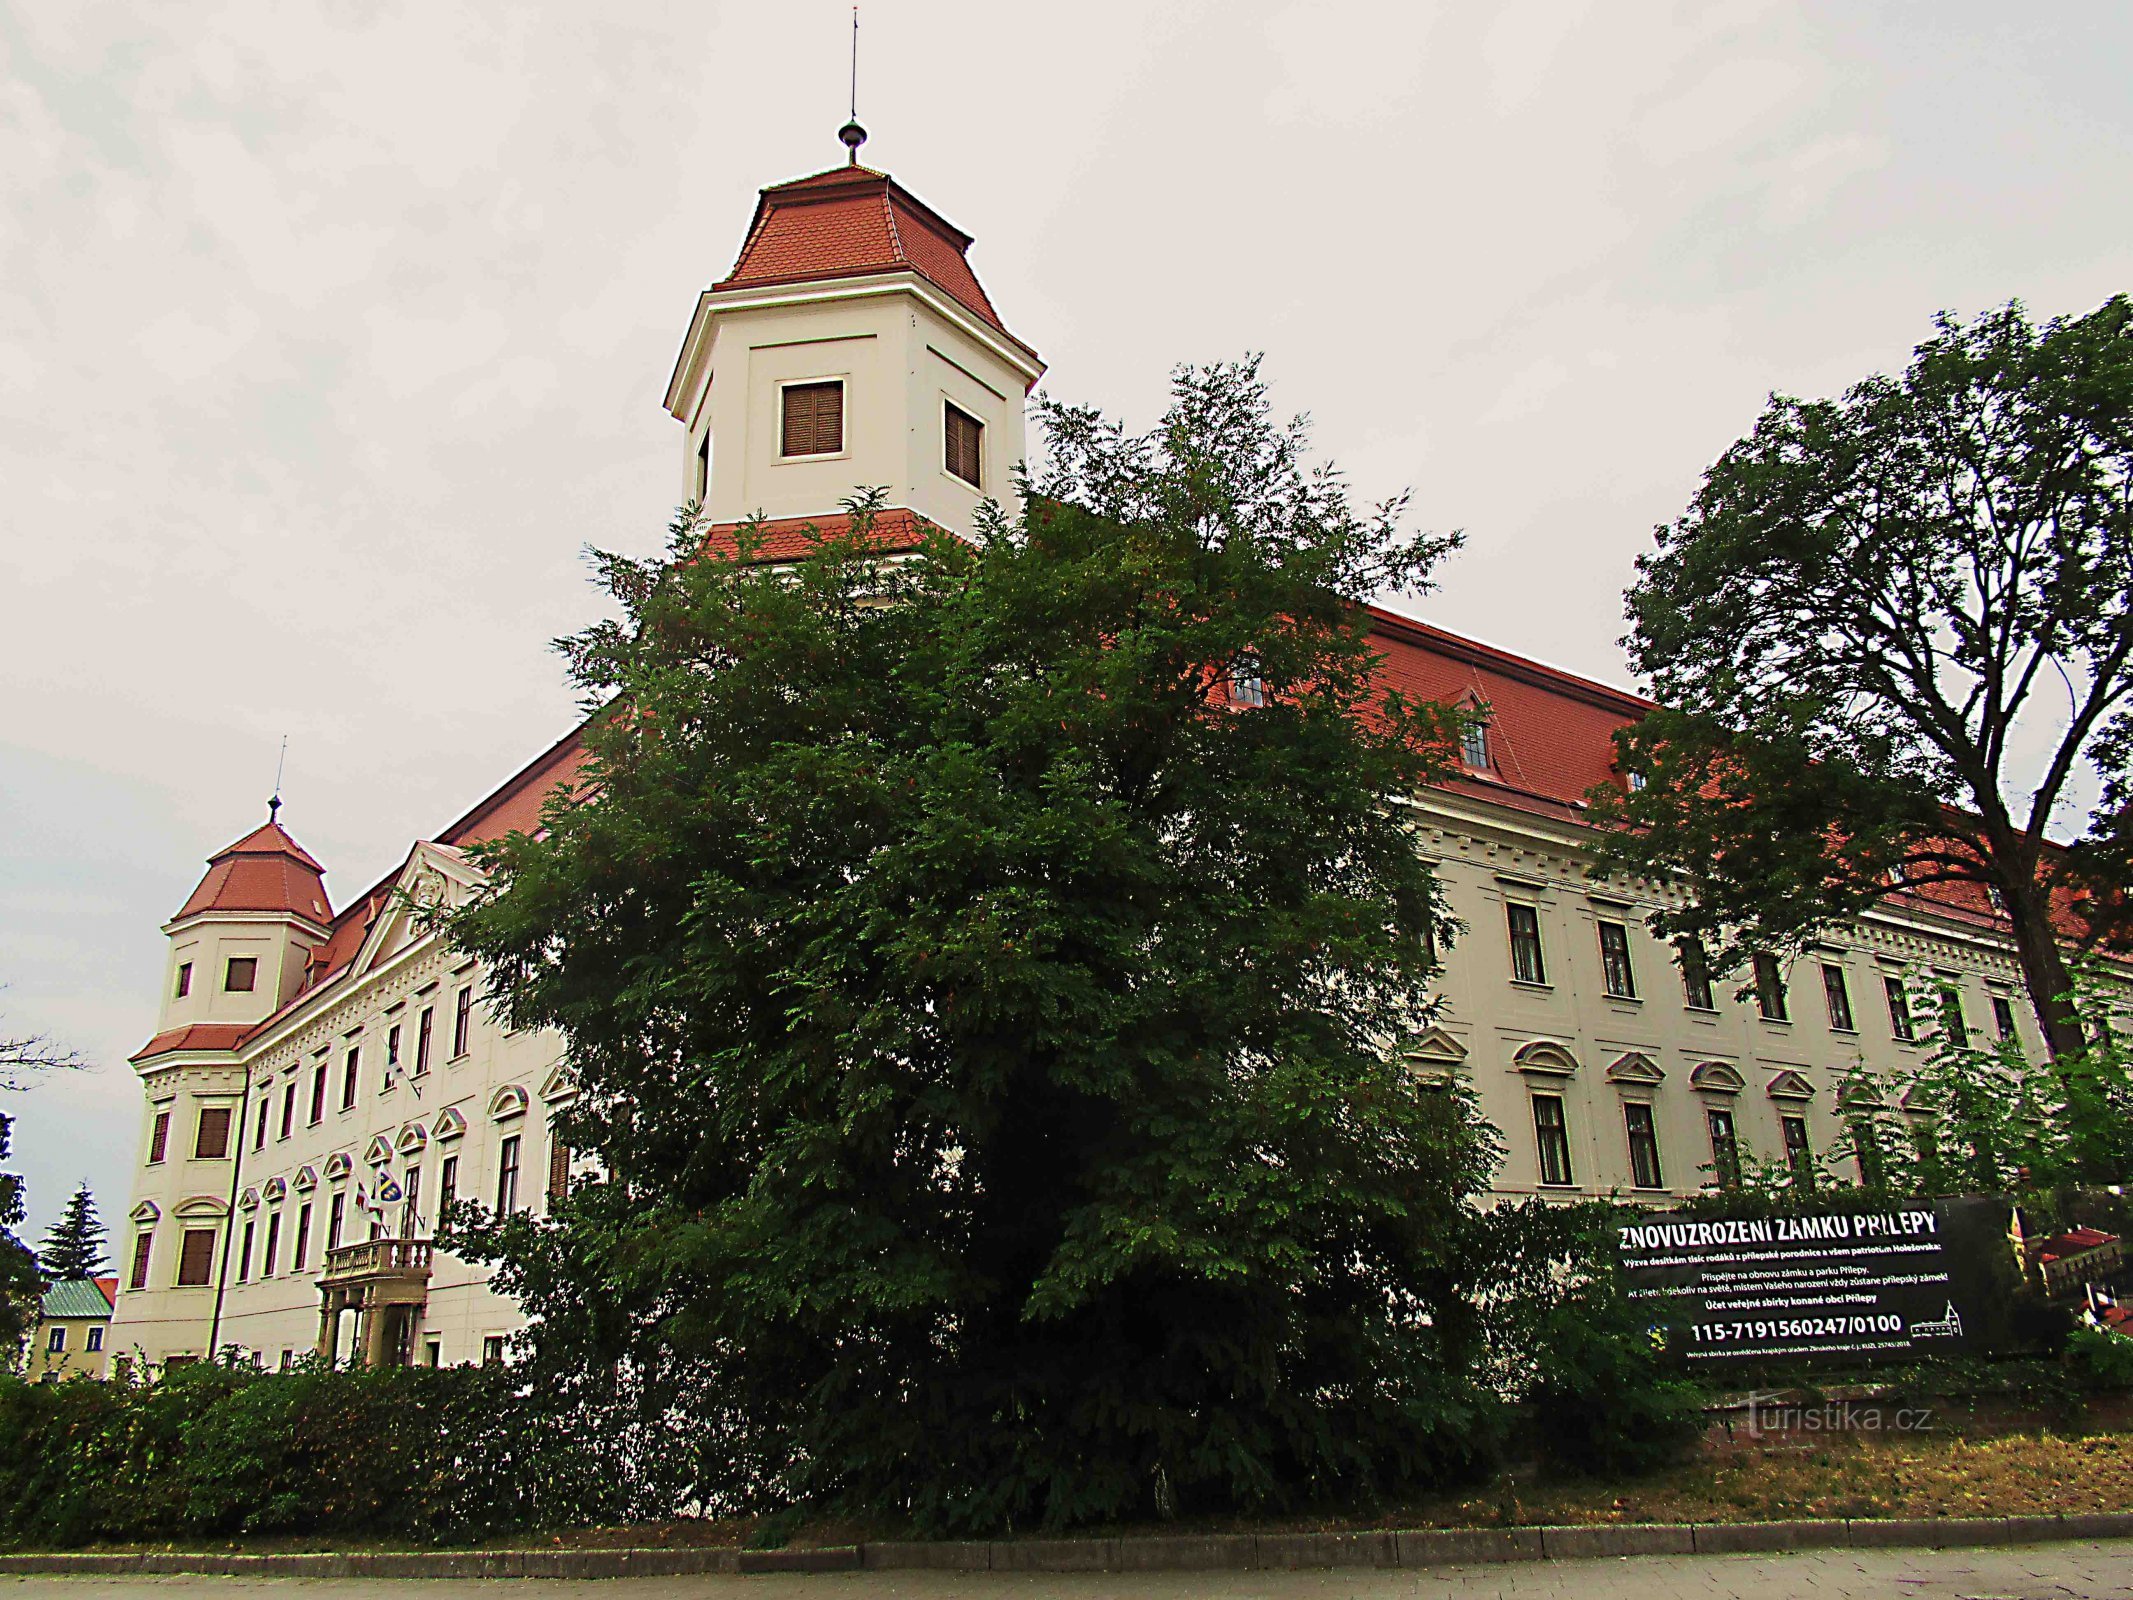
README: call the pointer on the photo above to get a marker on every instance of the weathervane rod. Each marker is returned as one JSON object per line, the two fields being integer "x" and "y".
{"x": 851, "y": 133}
{"x": 280, "y": 761}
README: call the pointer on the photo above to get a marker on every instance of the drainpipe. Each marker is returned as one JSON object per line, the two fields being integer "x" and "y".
{"x": 229, "y": 1217}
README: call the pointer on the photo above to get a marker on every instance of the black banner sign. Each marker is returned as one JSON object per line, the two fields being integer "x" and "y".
{"x": 1880, "y": 1284}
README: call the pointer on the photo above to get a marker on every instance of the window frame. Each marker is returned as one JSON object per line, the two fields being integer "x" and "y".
{"x": 507, "y": 1173}
{"x": 1903, "y": 1027}
{"x": 250, "y": 964}
{"x": 975, "y": 479}
{"x": 143, "y": 1254}
{"x": 1552, "y": 1139}
{"x": 270, "y": 1255}
{"x": 351, "y": 1077}
{"x": 1773, "y": 1002}
{"x": 1643, "y": 1144}
{"x": 1609, "y": 977}
{"x": 159, "y": 1138}
{"x": 1695, "y": 965}
{"x": 1837, "y": 997}
{"x": 1725, "y": 1147}
{"x": 462, "y": 1022}
{"x": 1799, "y": 1154}
{"x": 184, "y": 985}
{"x": 2003, "y": 1017}
{"x": 1539, "y": 975}
{"x": 219, "y": 1118}
{"x": 785, "y": 387}
{"x": 201, "y": 1263}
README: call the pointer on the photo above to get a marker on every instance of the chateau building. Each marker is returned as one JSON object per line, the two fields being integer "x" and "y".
{"x": 322, "y": 1081}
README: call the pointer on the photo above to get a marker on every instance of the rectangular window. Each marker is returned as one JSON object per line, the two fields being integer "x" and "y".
{"x": 1643, "y": 1147}
{"x": 492, "y": 1349}
{"x": 185, "y": 980}
{"x": 2003, "y": 1021}
{"x": 1247, "y": 685}
{"x": 336, "y": 1216}
{"x": 1951, "y": 1016}
{"x": 1725, "y": 1147}
{"x": 812, "y": 420}
{"x": 196, "y": 1257}
{"x": 703, "y": 468}
{"x": 392, "y": 1050}
{"x": 1695, "y": 975}
{"x": 318, "y": 1094}
{"x": 507, "y": 1177}
{"x": 1615, "y": 970}
{"x": 964, "y": 436}
{"x": 558, "y": 1169}
{"x": 138, "y": 1278}
{"x": 96, "y": 1337}
{"x": 1899, "y": 1008}
{"x": 56, "y": 1344}
{"x": 1551, "y": 1136}
{"x": 288, "y": 1108}
{"x": 411, "y": 1204}
{"x": 240, "y": 974}
{"x": 462, "y": 1021}
{"x": 244, "y": 1253}
{"x": 447, "y": 1185}
{"x": 1867, "y": 1149}
{"x": 266, "y": 1110}
{"x": 351, "y": 1078}
{"x": 266, "y": 1265}
{"x": 1474, "y": 742}
{"x": 1526, "y": 963}
{"x": 211, "y": 1139}
{"x": 423, "y": 1028}
{"x": 1770, "y": 989}
{"x": 303, "y": 1238}
{"x": 159, "y": 1138}
{"x": 1839, "y": 996}
{"x": 1799, "y": 1155}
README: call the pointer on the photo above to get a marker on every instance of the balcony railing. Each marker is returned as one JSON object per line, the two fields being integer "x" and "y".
{"x": 377, "y": 1258}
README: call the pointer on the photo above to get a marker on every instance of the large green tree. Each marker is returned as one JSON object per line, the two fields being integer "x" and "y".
{"x": 1893, "y": 639}
{"x": 984, "y": 976}
{"x": 73, "y": 1247}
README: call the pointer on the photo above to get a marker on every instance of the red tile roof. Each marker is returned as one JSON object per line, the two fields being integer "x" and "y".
{"x": 790, "y": 538}
{"x": 266, "y": 870}
{"x": 195, "y": 1036}
{"x": 850, "y": 222}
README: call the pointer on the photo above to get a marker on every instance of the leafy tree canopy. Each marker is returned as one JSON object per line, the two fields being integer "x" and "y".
{"x": 983, "y": 975}
{"x": 73, "y": 1247}
{"x": 1891, "y": 633}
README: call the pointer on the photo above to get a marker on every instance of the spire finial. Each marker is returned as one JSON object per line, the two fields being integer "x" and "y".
{"x": 851, "y": 133}
{"x": 274, "y": 803}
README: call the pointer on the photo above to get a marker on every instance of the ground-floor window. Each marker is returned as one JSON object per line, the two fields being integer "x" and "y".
{"x": 1799, "y": 1155}
{"x": 1725, "y": 1146}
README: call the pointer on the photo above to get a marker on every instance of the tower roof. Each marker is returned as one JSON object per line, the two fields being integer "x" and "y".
{"x": 266, "y": 870}
{"x": 850, "y": 221}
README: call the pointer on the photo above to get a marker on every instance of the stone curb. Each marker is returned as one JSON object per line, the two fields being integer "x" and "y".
{"x": 1411, "y": 1547}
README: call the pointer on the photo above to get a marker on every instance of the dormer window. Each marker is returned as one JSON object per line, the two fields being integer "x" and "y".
{"x": 812, "y": 419}
{"x": 964, "y": 439}
{"x": 1474, "y": 741}
{"x": 1247, "y": 686}
{"x": 240, "y": 974}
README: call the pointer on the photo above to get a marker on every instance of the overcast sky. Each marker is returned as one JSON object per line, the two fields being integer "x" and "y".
{"x": 330, "y": 335}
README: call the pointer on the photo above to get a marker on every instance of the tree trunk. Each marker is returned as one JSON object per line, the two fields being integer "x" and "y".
{"x": 2045, "y": 973}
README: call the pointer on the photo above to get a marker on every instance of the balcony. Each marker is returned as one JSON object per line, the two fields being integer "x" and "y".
{"x": 375, "y": 1260}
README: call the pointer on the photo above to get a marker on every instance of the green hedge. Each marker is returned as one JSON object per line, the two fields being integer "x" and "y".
{"x": 433, "y": 1455}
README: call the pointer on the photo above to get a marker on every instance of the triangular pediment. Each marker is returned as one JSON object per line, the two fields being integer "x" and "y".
{"x": 1789, "y": 1085}
{"x": 433, "y": 876}
{"x": 1634, "y": 1067}
{"x": 1435, "y": 1047}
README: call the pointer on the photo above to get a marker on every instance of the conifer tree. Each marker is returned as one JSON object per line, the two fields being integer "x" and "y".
{"x": 74, "y": 1246}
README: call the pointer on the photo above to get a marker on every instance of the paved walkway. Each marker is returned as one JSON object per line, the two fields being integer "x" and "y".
{"x": 2028, "y": 1572}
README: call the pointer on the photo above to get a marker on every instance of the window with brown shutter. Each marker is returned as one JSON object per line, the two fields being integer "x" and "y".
{"x": 212, "y": 1141}
{"x": 964, "y": 436}
{"x": 159, "y": 1138}
{"x": 196, "y": 1256}
{"x": 142, "y": 1243}
{"x": 558, "y": 1169}
{"x": 241, "y": 973}
{"x": 813, "y": 419}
